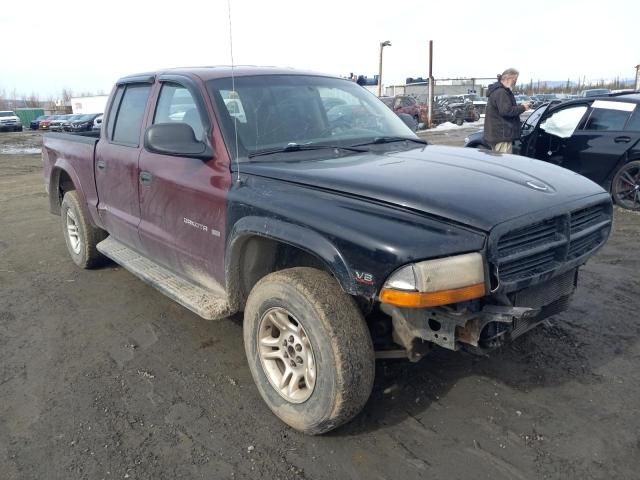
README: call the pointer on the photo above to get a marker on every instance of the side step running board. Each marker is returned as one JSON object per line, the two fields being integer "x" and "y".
{"x": 203, "y": 302}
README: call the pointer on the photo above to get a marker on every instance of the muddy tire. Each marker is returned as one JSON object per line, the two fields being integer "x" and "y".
{"x": 299, "y": 322}
{"x": 80, "y": 236}
{"x": 625, "y": 187}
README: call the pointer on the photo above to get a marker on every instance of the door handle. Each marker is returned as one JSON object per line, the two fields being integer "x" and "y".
{"x": 623, "y": 139}
{"x": 145, "y": 178}
{"x": 100, "y": 164}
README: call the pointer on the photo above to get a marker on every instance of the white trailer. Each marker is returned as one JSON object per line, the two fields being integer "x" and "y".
{"x": 94, "y": 104}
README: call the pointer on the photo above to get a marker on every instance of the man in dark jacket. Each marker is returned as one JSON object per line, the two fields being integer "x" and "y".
{"x": 502, "y": 119}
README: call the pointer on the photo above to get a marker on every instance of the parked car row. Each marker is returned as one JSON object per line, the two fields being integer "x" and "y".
{"x": 598, "y": 137}
{"x": 452, "y": 108}
{"x": 67, "y": 123}
{"x": 9, "y": 121}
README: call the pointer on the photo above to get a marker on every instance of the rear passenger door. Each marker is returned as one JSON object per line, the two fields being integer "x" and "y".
{"x": 116, "y": 168}
{"x": 601, "y": 142}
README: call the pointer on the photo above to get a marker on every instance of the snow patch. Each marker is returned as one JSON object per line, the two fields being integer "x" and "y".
{"x": 16, "y": 150}
{"x": 453, "y": 126}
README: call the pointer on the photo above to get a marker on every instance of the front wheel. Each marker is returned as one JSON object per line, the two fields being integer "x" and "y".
{"x": 625, "y": 188}
{"x": 309, "y": 349}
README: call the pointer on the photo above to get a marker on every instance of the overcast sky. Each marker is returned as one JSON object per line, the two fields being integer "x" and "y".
{"x": 87, "y": 45}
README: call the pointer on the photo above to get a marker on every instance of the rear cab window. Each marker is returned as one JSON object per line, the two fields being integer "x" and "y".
{"x": 127, "y": 113}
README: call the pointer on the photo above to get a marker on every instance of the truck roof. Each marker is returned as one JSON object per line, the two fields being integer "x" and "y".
{"x": 222, "y": 71}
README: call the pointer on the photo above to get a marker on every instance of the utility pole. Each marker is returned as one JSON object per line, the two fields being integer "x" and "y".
{"x": 637, "y": 77}
{"x": 430, "y": 96}
{"x": 386, "y": 43}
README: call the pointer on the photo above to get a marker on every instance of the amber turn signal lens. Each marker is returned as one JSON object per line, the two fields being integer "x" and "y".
{"x": 431, "y": 299}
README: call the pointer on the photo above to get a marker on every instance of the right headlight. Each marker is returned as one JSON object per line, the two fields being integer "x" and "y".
{"x": 436, "y": 282}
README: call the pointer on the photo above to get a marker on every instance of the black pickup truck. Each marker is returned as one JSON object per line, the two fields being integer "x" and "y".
{"x": 341, "y": 234}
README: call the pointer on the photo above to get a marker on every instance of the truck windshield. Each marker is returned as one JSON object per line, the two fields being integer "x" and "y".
{"x": 7, "y": 114}
{"x": 271, "y": 112}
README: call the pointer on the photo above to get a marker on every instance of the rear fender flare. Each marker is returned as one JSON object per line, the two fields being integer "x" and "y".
{"x": 54, "y": 185}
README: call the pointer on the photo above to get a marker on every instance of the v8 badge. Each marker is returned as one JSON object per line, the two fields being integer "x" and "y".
{"x": 364, "y": 278}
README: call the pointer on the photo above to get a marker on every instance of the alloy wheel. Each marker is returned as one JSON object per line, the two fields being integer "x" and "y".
{"x": 73, "y": 232}
{"x": 627, "y": 187}
{"x": 286, "y": 355}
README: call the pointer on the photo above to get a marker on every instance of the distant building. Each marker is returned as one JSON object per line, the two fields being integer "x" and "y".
{"x": 93, "y": 104}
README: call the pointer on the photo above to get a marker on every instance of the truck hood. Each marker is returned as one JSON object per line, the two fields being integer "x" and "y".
{"x": 473, "y": 187}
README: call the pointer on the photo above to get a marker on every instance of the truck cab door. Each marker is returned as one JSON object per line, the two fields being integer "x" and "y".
{"x": 116, "y": 163}
{"x": 183, "y": 199}
{"x": 601, "y": 142}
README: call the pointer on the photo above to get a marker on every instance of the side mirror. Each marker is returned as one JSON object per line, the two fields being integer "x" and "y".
{"x": 409, "y": 121}
{"x": 177, "y": 139}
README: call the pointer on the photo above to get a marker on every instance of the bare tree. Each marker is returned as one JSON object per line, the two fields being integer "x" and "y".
{"x": 65, "y": 96}
{"x": 14, "y": 97}
{"x": 34, "y": 100}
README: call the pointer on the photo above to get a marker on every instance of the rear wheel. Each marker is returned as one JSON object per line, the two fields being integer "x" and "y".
{"x": 80, "y": 236}
{"x": 308, "y": 348}
{"x": 625, "y": 188}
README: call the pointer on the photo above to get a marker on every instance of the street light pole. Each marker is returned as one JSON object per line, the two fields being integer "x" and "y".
{"x": 430, "y": 88}
{"x": 386, "y": 43}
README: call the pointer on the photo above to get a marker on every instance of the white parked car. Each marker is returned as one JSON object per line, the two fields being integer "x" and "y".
{"x": 10, "y": 121}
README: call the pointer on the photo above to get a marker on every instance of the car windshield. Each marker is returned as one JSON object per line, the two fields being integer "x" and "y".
{"x": 274, "y": 112}
{"x": 7, "y": 114}
{"x": 85, "y": 118}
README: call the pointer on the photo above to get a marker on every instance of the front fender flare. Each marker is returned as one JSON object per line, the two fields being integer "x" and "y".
{"x": 298, "y": 236}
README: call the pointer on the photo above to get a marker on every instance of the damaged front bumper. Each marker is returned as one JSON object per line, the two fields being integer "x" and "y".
{"x": 478, "y": 326}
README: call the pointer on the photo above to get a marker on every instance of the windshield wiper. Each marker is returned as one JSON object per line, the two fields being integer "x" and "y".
{"x": 381, "y": 140}
{"x": 296, "y": 147}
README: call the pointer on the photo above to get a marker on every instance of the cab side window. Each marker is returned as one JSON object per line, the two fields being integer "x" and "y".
{"x": 127, "y": 113}
{"x": 634, "y": 122}
{"x": 176, "y": 104}
{"x": 605, "y": 119}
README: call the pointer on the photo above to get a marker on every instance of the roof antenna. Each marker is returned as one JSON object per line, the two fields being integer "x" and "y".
{"x": 233, "y": 91}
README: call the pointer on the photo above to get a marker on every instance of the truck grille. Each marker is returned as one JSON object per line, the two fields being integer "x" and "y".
{"x": 544, "y": 246}
{"x": 586, "y": 217}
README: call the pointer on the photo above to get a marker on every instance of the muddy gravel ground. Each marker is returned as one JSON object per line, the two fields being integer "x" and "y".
{"x": 103, "y": 377}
